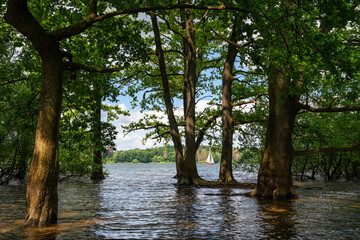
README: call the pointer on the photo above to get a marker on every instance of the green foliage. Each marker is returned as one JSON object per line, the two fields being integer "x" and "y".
{"x": 325, "y": 130}
{"x": 249, "y": 160}
{"x": 19, "y": 103}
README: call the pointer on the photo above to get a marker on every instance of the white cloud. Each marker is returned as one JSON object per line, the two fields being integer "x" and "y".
{"x": 132, "y": 141}
{"x": 135, "y": 139}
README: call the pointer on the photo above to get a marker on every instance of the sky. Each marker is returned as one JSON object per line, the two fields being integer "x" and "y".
{"x": 134, "y": 140}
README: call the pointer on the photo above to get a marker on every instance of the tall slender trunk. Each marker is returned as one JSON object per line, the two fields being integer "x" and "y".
{"x": 226, "y": 173}
{"x": 97, "y": 168}
{"x": 174, "y": 130}
{"x": 189, "y": 174}
{"x": 275, "y": 177}
{"x": 41, "y": 193}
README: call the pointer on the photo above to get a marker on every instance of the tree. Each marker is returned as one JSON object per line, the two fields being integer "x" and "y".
{"x": 226, "y": 174}
{"x": 291, "y": 68}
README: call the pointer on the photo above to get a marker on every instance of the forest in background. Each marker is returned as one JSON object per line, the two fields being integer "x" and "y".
{"x": 164, "y": 154}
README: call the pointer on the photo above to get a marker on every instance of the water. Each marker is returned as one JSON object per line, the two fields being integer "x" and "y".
{"x": 140, "y": 201}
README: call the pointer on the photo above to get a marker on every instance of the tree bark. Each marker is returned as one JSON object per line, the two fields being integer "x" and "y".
{"x": 97, "y": 167}
{"x": 41, "y": 193}
{"x": 174, "y": 130}
{"x": 275, "y": 177}
{"x": 226, "y": 173}
{"x": 188, "y": 173}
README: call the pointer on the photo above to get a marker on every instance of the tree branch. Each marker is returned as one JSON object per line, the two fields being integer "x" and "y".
{"x": 168, "y": 25}
{"x": 152, "y": 90}
{"x": 228, "y": 40}
{"x": 161, "y": 135}
{"x": 202, "y": 132}
{"x": 356, "y": 147}
{"x": 245, "y": 72}
{"x": 329, "y": 109}
{"x": 13, "y": 81}
{"x": 249, "y": 121}
{"x": 92, "y": 18}
{"x": 159, "y": 75}
{"x": 136, "y": 128}
{"x": 249, "y": 101}
{"x": 72, "y": 66}
{"x": 202, "y": 19}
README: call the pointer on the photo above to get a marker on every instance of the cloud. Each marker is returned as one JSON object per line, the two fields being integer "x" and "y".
{"x": 135, "y": 139}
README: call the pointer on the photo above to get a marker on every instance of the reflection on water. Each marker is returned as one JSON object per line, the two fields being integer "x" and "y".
{"x": 278, "y": 216}
{"x": 140, "y": 201}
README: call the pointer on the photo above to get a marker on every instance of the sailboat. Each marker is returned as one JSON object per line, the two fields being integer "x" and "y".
{"x": 209, "y": 160}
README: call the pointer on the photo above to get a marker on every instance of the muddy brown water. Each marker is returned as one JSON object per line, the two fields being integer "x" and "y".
{"x": 140, "y": 201}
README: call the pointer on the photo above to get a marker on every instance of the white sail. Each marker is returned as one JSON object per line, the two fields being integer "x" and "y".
{"x": 210, "y": 158}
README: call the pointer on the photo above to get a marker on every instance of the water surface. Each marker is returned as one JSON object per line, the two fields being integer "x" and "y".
{"x": 141, "y": 201}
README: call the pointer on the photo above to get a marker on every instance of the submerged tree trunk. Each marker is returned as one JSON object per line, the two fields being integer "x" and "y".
{"x": 41, "y": 193}
{"x": 275, "y": 177}
{"x": 21, "y": 162}
{"x": 174, "y": 130}
{"x": 188, "y": 173}
{"x": 226, "y": 173}
{"x": 97, "y": 167}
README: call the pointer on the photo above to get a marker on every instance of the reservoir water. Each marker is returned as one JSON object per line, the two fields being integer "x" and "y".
{"x": 141, "y": 201}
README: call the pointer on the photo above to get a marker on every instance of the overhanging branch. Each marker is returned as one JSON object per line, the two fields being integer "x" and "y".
{"x": 329, "y": 109}
{"x": 356, "y": 147}
{"x": 72, "y": 66}
{"x": 13, "y": 81}
{"x": 249, "y": 121}
{"x": 92, "y": 18}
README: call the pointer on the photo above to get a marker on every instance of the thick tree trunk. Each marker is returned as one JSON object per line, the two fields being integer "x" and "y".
{"x": 226, "y": 173}
{"x": 97, "y": 167}
{"x": 275, "y": 177}
{"x": 41, "y": 193}
{"x": 188, "y": 173}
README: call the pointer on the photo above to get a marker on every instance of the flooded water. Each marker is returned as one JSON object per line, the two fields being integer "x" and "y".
{"x": 140, "y": 201}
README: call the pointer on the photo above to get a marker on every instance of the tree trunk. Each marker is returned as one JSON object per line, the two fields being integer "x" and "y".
{"x": 21, "y": 162}
{"x": 41, "y": 193}
{"x": 275, "y": 177}
{"x": 97, "y": 167}
{"x": 188, "y": 171}
{"x": 174, "y": 130}
{"x": 226, "y": 173}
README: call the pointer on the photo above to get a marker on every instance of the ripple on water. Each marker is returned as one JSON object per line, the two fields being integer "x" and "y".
{"x": 140, "y": 201}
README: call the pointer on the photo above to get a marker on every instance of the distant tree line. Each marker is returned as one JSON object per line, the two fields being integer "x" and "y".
{"x": 164, "y": 154}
